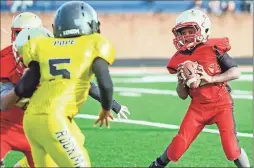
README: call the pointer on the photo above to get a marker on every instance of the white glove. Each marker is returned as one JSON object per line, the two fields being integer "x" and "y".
{"x": 122, "y": 112}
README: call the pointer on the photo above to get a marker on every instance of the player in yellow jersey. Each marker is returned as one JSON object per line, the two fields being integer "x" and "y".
{"x": 64, "y": 66}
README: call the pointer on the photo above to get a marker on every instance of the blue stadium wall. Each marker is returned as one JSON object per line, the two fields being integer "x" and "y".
{"x": 129, "y": 6}
{"x": 120, "y": 6}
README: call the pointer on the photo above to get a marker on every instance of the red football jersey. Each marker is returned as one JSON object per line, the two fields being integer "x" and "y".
{"x": 14, "y": 115}
{"x": 8, "y": 66}
{"x": 205, "y": 55}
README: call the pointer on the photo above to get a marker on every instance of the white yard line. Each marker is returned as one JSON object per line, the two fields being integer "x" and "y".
{"x": 236, "y": 94}
{"x": 162, "y": 78}
{"x": 152, "y": 70}
{"x": 126, "y": 71}
{"x": 158, "y": 125}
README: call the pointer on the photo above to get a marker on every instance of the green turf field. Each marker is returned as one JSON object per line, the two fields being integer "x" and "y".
{"x": 151, "y": 97}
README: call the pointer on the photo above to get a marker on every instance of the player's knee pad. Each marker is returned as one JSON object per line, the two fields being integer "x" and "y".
{"x": 177, "y": 147}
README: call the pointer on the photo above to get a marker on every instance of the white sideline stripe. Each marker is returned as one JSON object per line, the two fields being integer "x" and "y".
{"x": 159, "y": 125}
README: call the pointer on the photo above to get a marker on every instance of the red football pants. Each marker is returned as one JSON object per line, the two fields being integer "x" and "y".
{"x": 199, "y": 115}
{"x": 16, "y": 140}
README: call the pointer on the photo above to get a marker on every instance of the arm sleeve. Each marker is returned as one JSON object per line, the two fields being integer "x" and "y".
{"x": 101, "y": 71}
{"x": 94, "y": 92}
{"x": 29, "y": 81}
{"x": 226, "y": 62}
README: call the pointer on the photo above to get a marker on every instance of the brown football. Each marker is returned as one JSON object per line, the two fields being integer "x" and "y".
{"x": 189, "y": 72}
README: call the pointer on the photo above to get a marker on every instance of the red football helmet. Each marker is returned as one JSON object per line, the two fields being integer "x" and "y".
{"x": 21, "y": 21}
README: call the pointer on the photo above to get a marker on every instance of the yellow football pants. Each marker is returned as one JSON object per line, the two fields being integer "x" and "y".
{"x": 57, "y": 137}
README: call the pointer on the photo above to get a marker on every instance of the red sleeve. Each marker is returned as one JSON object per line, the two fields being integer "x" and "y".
{"x": 171, "y": 68}
{"x": 172, "y": 64}
{"x": 8, "y": 71}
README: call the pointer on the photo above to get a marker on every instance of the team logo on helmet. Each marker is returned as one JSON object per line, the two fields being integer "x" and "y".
{"x": 82, "y": 21}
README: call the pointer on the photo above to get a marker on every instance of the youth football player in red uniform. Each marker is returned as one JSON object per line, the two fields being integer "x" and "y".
{"x": 211, "y": 103}
{"x": 12, "y": 133}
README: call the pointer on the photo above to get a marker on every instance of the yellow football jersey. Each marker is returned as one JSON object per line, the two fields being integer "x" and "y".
{"x": 66, "y": 70}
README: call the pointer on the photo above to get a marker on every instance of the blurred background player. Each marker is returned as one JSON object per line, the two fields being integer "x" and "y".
{"x": 64, "y": 66}
{"x": 12, "y": 133}
{"x": 211, "y": 103}
{"x": 15, "y": 5}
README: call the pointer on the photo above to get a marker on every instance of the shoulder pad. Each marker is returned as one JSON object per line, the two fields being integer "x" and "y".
{"x": 104, "y": 49}
{"x": 221, "y": 45}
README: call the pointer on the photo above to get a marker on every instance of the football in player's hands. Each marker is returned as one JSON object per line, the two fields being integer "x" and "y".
{"x": 190, "y": 75}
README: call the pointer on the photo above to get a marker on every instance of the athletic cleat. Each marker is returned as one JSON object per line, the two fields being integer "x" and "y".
{"x": 156, "y": 165}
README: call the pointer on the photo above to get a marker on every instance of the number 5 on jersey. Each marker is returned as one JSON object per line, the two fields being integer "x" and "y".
{"x": 53, "y": 67}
